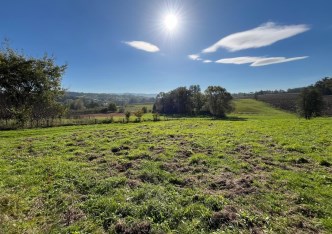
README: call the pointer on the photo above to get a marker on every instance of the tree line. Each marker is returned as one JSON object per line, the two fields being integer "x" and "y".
{"x": 191, "y": 101}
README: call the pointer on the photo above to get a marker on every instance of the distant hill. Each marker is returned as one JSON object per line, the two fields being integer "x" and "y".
{"x": 97, "y": 102}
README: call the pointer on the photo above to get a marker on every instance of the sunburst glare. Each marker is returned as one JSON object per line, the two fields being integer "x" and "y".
{"x": 171, "y": 22}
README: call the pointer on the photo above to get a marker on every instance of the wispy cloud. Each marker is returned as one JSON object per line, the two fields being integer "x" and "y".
{"x": 263, "y": 35}
{"x": 142, "y": 45}
{"x": 258, "y": 61}
{"x": 274, "y": 60}
{"x": 194, "y": 57}
{"x": 207, "y": 61}
{"x": 239, "y": 60}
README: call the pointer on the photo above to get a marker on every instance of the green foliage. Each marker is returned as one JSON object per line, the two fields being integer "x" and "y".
{"x": 122, "y": 109}
{"x": 310, "y": 103}
{"x": 156, "y": 117}
{"x": 183, "y": 101}
{"x": 112, "y": 107}
{"x": 127, "y": 114}
{"x": 218, "y": 101}
{"x": 30, "y": 86}
{"x": 324, "y": 86}
{"x": 138, "y": 115}
{"x": 144, "y": 109}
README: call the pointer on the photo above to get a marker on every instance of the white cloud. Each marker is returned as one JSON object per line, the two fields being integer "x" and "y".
{"x": 194, "y": 57}
{"x": 263, "y": 35}
{"x": 274, "y": 60}
{"x": 239, "y": 60}
{"x": 207, "y": 61}
{"x": 258, "y": 61}
{"x": 142, "y": 45}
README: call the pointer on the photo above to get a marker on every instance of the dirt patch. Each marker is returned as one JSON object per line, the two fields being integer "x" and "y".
{"x": 243, "y": 150}
{"x": 71, "y": 215}
{"x": 184, "y": 153}
{"x": 133, "y": 183}
{"x": 156, "y": 150}
{"x": 228, "y": 216}
{"x": 122, "y": 167}
{"x": 118, "y": 150}
{"x": 234, "y": 187}
{"x": 143, "y": 227}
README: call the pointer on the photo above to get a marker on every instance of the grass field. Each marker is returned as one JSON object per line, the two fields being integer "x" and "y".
{"x": 259, "y": 171}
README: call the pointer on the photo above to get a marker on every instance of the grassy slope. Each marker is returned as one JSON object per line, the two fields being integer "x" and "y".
{"x": 265, "y": 171}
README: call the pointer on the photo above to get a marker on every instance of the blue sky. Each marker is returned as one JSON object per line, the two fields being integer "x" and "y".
{"x": 117, "y": 46}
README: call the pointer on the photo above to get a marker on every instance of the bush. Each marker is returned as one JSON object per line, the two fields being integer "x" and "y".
{"x": 138, "y": 115}
{"x": 144, "y": 109}
{"x": 127, "y": 114}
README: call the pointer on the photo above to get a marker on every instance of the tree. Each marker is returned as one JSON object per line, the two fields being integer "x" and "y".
{"x": 198, "y": 99}
{"x": 324, "y": 86}
{"x": 77, "y": 104}
{"x": 138, "y": 115}
{"x": 127, "y": 114}
{"x": 26, "y": 82}
{"x": 177, "y": 101}
{"x": 218, "y": 101}
{"x": 310, "y": 103}
{"x": 144, "y": 109}
{"x": 112, "y": 107}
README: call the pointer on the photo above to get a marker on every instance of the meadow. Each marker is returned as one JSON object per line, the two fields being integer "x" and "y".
{"x": 261, "y": 170}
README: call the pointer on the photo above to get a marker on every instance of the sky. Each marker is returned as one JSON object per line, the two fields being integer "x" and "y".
{"x": 152, "y": 46}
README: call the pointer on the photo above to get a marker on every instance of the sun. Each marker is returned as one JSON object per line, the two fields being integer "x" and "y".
{"x": 171, "y": 22}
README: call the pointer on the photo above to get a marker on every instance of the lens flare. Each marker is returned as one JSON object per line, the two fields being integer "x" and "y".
{"x": 171, "y": 22}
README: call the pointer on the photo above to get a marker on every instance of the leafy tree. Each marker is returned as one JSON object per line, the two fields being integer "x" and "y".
{"x": 310, "y": 103}
{"x": 218, "y": 101}
{"x": 183, "y": 103}
{"x": 177, "y": 101}
{"x": 112, "y": 107}
{"x": 138, "y": 115}
{"x": 127, "y": 114}
{"x": 198, "y": 99}
{"x": 324, "y": 86}
{"x": 144, "y": 109}
{"x": 121, "y": 109}
{"x": 91, "y": 104}
{"x": 77, "y": 104}
{"x": 26, "y": 82}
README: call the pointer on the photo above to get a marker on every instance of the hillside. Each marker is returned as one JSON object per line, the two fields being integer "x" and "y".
{"x": 260, "y": 170}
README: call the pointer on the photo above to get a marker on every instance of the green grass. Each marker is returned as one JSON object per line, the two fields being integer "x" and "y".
{"x": 261, "y": 170}
{"x": 137, "y": 107}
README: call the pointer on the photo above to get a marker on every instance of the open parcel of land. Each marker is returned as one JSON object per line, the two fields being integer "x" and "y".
{"x": 259, "y": 170}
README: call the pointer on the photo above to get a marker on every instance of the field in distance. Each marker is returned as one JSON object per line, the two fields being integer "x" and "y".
{"x": 260, "y": 170}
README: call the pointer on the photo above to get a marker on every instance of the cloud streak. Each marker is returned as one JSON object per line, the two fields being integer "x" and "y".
{"x": 261, "y": 36}
{"x": 207, "y": 61}
{"x": 274, "y": 60}
{"x": 258, "y": 61}
{"x": 194, "y": 57}
{"x": 142, "y": 45}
